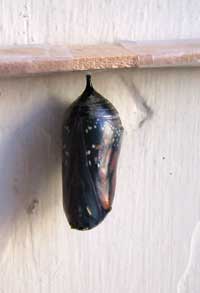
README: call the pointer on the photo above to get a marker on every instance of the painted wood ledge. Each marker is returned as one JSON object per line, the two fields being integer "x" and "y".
{"x": 39, "y": 59}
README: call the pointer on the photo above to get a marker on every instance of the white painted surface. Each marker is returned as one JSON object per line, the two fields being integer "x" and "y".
{"x": 150, "y": 240}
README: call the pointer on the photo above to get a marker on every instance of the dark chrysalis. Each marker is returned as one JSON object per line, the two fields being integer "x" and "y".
{"x": 92, "y": 134}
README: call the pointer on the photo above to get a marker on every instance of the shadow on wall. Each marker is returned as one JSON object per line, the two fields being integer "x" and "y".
{"x": 29, "y": 155}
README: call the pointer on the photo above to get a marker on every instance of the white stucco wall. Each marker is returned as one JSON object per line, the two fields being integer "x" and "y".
{"x": 150, "y": 240}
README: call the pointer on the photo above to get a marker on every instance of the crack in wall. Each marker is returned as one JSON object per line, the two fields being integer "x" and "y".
{"x": 26, "y": 16}
{"x": 140, "y": 101}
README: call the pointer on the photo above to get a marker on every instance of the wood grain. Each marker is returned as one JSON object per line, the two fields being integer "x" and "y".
{"x": 47, "y": 59}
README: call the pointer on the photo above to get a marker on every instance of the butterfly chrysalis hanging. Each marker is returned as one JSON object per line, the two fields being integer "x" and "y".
{"x": 92, "y": 134}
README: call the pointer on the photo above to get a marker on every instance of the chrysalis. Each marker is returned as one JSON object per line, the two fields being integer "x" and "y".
{"x": 92, "y": 134}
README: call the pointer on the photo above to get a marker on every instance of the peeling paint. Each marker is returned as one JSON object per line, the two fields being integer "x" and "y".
{"x": 190, "y": 281}
{"x": 33, "y": 206}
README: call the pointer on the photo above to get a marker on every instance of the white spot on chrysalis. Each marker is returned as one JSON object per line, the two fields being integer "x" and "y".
{"x": 89, "y": 211}
{"x": 66, "y": 128}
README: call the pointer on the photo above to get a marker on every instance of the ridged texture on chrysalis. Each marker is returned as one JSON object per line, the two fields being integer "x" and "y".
{"x": 92, "y": 133}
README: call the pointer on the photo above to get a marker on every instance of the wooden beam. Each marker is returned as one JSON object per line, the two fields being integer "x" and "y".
{"x": 26, "y": 60}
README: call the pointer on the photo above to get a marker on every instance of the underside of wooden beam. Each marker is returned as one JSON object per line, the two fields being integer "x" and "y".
{"x": 43, "y": 59}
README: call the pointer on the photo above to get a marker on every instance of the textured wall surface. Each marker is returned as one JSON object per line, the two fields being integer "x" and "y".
{"x": 150, "y": 242}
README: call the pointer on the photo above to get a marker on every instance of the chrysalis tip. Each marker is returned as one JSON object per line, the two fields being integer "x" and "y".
{"x": 89, "y": 81}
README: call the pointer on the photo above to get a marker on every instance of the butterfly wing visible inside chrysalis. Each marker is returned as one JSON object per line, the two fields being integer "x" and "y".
{"x": 103, "y": 143}
{"x": 91, "y": 145}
